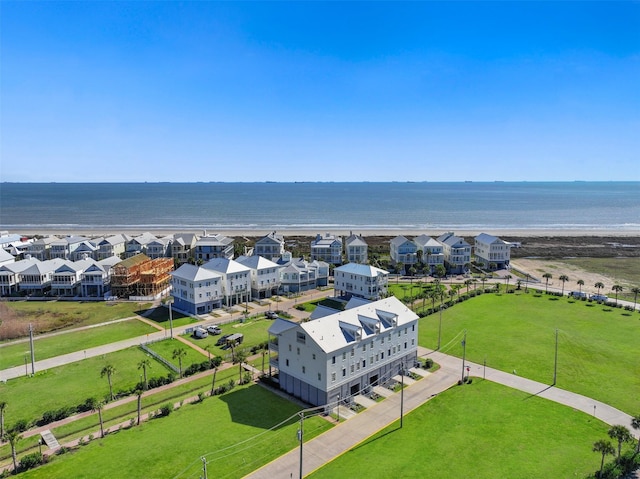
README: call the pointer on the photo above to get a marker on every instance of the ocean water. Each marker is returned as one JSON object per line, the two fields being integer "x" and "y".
{"x": 420, "y": 206}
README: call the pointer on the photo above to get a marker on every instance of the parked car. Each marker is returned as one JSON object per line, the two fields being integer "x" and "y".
{"x": 578, "y": 294}
{"x": 222, "y": 340}
{"x": 200, "y": 333}
{"x": 271, "y": 314}
{"x": 599, "y": 297}
{"x": 215, "y": 330}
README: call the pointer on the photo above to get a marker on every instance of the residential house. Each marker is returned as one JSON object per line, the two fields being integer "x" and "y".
{"x": 236, "y": 280}
{"x": 40, "y": 248}
{"x": 492, "y": 251}
{"x": 297, "y": 275}
{"x": 37, "y": 278}
{"x": 182, "y": 247}
{"x": 141, "y": 276}
{"x": 212, "y": 247}
{"x": 138, "y": 245}
{"x": 457, "y": 253}
{"x": 403, "y": 250}
{"x": 356, "y": 249}
{"x": 338, "y": 356}
{"x": 327, "y": 248}
{"x": 265, "y": 275}
{"x": 196, "y": 290}
{"x": 6, "y": 257}
{"x": 10, "y": 275}
{"x": 86, "y": 249}
{"x": 270, "y": 246}
{"x": 67, "y": 278}
{"x": 432, "y": 252}
{"x": 159, "y": 247}
{"x": 95, "y": 281}
{"x": 63, "y": 248}
{"x": 360, "y": 280}
{"x": 113, "y": 246}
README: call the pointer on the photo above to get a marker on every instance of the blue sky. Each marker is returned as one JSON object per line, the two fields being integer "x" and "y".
{"x": 319, "y": 91}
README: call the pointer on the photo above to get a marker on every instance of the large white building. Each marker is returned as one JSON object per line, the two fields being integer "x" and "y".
{"x": 342, "y": 354}
{"x": 327, "y": 248}
{"x": 457, "y": 253}
{"x": 265, "y": 275}
{"x": 356, "y": 249}
{"x": 360, "y": 280}
{"x": 492, "y": 250}
{"x": 432, "y": 252}
{"x": 196, "y": 290}
{"x": 270, "y": 246}
{"x": 236, "y": 280}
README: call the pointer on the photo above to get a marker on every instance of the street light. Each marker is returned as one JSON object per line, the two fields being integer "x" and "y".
{"x": 40, "y": 445}
{"x": 170, "y": 318}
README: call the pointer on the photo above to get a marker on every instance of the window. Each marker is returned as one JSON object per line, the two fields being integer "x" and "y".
{"x": 289, "y": 348}
{"x": 298, "y": 351}
{"x": 371, "y": 345}
{"x": 353, "y": 352}
{"x": 352, "y": 367}
{"x": 405, "y": 330}
{"x": 304, "y": 370}
{"x": 319, "y": 377}
{"x": 313, "y": 355}
{"x": 301, "y": 337}
{"x": 333, "y": 377}
{"x": 344, "y": 372}
{"x": 333, "y": 360}
{"x": 413, "y": 328}
{"x": 364, "y": 363}
{"x": 287, "y": 362}
{"x": 413, "y": 342}
{"x": 405, "y": 345}
{"x": 382, "y": 355}
{"x": 344, "y": 355}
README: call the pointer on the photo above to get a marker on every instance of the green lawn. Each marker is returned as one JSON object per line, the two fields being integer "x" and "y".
{"x": 254, "y": 330}
{"x": 482, "y": 430}
{"x": 72, "y": 384}
{"x": 233, "y": 434}
{"x": 56, "y": 315}
{"x": 165, "y": 348}
{"x": 161, "y": 316}
{"x": 13, "y": 355}
{"x": 597, "y": 345}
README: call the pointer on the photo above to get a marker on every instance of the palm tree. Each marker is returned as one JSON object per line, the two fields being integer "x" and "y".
{"x": 483, "y": 278}
{"x": 508, "y": 277}
{"x": 467, "y": 283}
{"x": 95, "y": 405}
{"x": 139, "y": 392}
{"x": 12, "y": 437}
{"x": 599, "y": 285}
{"x": 620, "y": 434}
{"x": 419, "y": 255}
{"x": 547, "y": 276}
{"x": 635, "y": 423}
{"x": 635, "y": 292}
{"x": 3, "y": 405}
{"x": 178, "y": 354}
{"x": 604, "y": 447}
{"x": 239, "y": 358}
{"x": 429, "y": 260}
{"x": 564, "y": 278}
{"x": 580, "y": 284}
{"x": 213, "y": 380}
{"x": 144, "y": 364}
{"x": 109, "y": 370}
{"x": 441, "y": 271}
{"x": 617, "y": 289}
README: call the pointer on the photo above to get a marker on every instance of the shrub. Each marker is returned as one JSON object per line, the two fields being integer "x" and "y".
{"x": 428, "y": 363}
{"x": 21, "y": 425}
{"x": 30, "y": 461}
{"x": 166, "y": 409}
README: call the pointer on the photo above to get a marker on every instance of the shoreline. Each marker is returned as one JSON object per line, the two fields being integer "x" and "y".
{"x": 92, "y": 232}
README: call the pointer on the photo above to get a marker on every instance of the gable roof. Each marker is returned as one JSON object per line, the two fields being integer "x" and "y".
{"x": 488, "y": 239}
{"x": 192, "y": 272}
{"x": 256, "y": 262}
{"x": 400, "y": 240}
{"x": 361, "y": 269}
{"x": 226, "y": 266}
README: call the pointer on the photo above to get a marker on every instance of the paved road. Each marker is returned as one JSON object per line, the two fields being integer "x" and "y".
{"x": 287, "y": 305}
{"x": 343, "y": 437}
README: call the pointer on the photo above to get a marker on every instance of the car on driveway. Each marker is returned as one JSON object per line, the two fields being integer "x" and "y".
{"x": 222, "y": 340}
{"x": 213, "y": 329}
{"x": 271, "y": 314}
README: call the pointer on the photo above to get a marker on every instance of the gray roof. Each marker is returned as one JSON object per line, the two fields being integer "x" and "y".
{"x": 256, "y": 262}
{"x": 488, "y": 239}
{"x": 361, "y": 269}
{"x": 192, "y": 272}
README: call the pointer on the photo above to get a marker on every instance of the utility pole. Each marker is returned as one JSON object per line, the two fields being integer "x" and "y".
{"x": 402, "y": 394}
{"x": 440, "y": 328}
{"x": 555, "y": 363}
{"x": 300, "y": 433}
{"x": 204, "y": 467}
{"x": 464, "y": 353}
{"x": 33, "y": 353}
{"x": 171, "y": 318}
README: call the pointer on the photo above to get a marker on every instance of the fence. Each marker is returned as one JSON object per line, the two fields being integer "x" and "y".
{"x": 158, "y": 357}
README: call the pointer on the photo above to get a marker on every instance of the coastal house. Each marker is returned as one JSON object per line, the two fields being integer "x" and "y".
{"x": 37, "y": 278}
{"x": 213, "y": 246}
{"x": 112, "y": 246}
{"x": 40, "y": 248}
{"x": 196, "y": 290}
{"x": 6, "y": 257}
{"x": 159, "y": 247}
{"x": 402, "y": 250}
{"x": 457, "y": 253}
{"x": 356, "y": 249}
{"x": 182, "y": 247}
{"x": 492, "y": 251}
{"x": 88, "y": 248}
{"x": 432, "y": 251}
{"x": 297, "y": 275}
{"x": 10, "y": 275}
{"x": 340, "y": 355}
{"x": 96, "y": 278}
{"x": 327, "y": 248}
{"x": 63, "y": 248}
{"x": 265, "y": 275}
{"x": 270, "y": 246}
{"x": 67, "y": 278}
{"x": 360, "y": 280}
{"x": 138, "y": 244}
{"x": 236, "y": 280}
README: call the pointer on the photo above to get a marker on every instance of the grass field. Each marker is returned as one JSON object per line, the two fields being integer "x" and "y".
{"x": 483, "y": 430}
{"x": 166, "y": 348}
{"x": 72, "y": 384}
{"x": 58, "y": 315}
{"x": 623, "y": 270}
{"x": 597, "y": 345}
{"x": 161, "y": 316}
{"x": 13, "y": 355}
{"x": 233, "y": 434}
